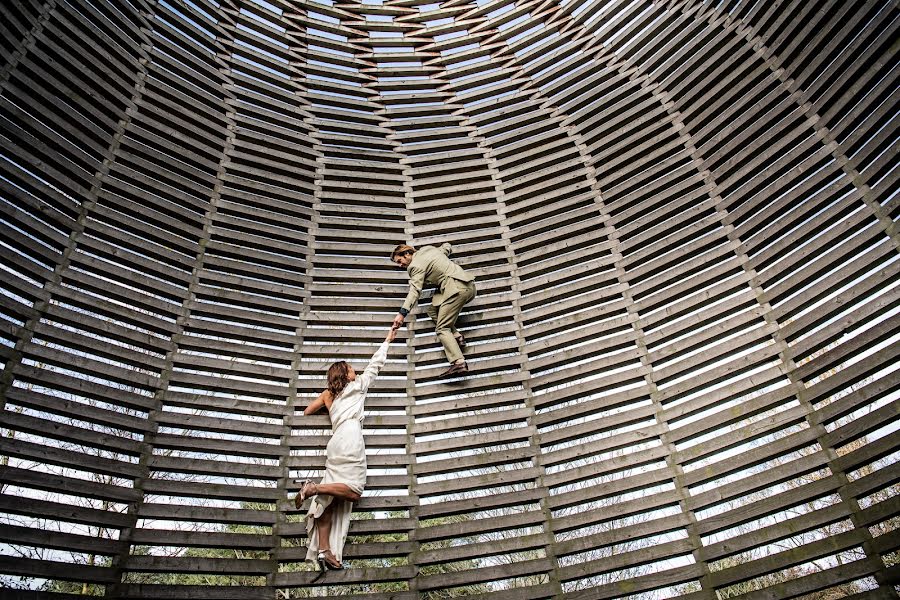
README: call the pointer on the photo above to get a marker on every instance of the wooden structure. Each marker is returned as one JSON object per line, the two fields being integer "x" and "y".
{"x": 682, "y": 217}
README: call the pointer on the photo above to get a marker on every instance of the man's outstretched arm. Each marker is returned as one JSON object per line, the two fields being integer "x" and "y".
{"x": 416, "y": 281}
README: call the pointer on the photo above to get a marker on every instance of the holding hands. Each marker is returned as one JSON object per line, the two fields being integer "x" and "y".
{"x": 391, "y": 334}
{"x": 398, "y": 321}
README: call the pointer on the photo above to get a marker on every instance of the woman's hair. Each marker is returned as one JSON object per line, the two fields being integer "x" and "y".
{"x": 401, "y": 250}
{"x": 338, "y": 378}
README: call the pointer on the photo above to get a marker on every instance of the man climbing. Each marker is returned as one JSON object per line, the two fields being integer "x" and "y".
{"x": 455, "y": 288}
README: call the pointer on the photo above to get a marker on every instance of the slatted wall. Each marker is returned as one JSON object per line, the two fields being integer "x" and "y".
{"x": 683, "y": 351}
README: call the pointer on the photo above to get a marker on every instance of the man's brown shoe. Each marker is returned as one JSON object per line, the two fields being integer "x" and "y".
{"x": 455, "y": 369}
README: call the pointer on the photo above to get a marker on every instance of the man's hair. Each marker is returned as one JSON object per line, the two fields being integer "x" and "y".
{"x": 401, "y": 250}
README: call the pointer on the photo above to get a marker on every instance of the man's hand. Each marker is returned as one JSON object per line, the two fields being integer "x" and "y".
{"x": 398, "y": 321}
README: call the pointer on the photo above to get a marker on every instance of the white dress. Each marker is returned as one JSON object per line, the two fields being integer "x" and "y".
{"x": 345, "y": 457}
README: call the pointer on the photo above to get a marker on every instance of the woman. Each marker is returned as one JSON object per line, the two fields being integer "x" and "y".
{"x": 328, "y": 518}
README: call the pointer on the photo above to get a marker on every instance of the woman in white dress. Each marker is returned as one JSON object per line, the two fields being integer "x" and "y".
{"x": 328, "y": 518}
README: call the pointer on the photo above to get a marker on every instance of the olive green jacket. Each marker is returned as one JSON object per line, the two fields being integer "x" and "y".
{"x": 432, "y": 266}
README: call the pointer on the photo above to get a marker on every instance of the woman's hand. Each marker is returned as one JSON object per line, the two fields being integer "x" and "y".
{"x": 391, "y": 334}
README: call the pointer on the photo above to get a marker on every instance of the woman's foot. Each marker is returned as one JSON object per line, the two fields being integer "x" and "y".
{"x": 328, "y": 561}
{"x": 307, "y": 489}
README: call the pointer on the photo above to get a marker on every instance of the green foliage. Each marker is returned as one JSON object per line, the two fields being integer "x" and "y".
{"x": 73, "y": 587}
{"x": 202, "y": 579}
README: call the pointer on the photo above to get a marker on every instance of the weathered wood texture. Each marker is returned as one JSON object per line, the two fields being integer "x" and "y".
{"x": 684, "y": 348}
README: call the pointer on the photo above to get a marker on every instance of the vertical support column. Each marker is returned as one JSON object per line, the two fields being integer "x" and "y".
{"x": 785, "y": 355}
{"x": 567, "y": 23}
{"x": 26, "y": 332}
{"x": 285, "y": 482}
{"x": 550, "y": 559}
{"x": 675, "y": 470}
{"x": 672, "y": 464}
{"x": 26, "y": 43}
{"x": 534, "y": 439}
{"x": 126, "y": 535}
{"x": 411, "y": 470}
{"x": 776, "y": 65}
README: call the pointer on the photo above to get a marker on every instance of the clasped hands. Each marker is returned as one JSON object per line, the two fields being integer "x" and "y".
{"x": 395, "y": 326}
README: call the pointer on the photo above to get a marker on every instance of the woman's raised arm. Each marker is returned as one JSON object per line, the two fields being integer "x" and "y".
{"x": 371, "y": 371}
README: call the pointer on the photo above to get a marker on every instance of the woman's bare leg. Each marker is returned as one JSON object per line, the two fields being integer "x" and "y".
{"x": 337, "y": 490}
{"x": 323, "y": 529}
{"x": 323, "y": 526}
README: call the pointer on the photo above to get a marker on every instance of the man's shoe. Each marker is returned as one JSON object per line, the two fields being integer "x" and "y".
{"x": 455, "y": 369}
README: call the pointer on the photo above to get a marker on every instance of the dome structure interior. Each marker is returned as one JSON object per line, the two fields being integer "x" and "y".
{"x": 682, "y": 219}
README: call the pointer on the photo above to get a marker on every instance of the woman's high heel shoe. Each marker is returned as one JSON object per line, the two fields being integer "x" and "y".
{"x": 304, "y": 493}
{"x": 327, "y": 561}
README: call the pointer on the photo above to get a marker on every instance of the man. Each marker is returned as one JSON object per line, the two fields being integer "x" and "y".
{"x": 455, "y": 287}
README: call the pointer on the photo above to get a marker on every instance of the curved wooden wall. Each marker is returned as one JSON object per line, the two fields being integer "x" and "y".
{"x": 682, "y": 217}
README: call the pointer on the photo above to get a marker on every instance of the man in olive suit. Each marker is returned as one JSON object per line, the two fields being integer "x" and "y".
{"x": 455, "y": 287}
